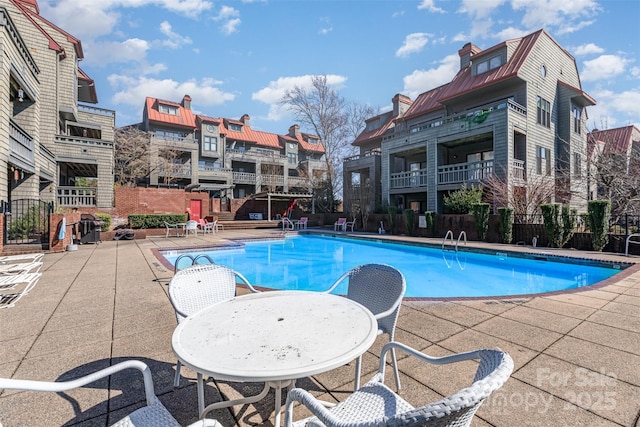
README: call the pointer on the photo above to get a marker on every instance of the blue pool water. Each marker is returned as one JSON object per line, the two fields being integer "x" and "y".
{"x": 308, "y": 262}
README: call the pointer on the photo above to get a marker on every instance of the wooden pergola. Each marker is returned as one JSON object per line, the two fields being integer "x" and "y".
{"x": 269, "y": 197}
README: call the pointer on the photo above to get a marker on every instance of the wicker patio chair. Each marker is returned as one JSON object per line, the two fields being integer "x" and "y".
{"x": 380, "y": 288}
{"x": 154, "y": 414}
{"x": 199, "y": 286}
{"x": 377, "y": 405}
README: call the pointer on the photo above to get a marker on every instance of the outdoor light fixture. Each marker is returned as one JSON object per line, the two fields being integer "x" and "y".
{"x": 20, "y": 95}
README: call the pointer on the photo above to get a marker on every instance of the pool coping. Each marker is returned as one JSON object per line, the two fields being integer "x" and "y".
{"x": 630, "y": 265}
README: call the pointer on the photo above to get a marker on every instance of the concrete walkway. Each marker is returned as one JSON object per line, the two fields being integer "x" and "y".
{"x": 577, "y": 355}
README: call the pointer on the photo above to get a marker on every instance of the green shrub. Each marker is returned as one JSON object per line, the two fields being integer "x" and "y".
{"x": 107, "y": 221}
{"x": 409, "y": 215}
{"x": 460, "y": 201}
{"x": 569, "y": 217}
{"x": 392, "y": 211}
{"x": 598, "y": 221}
{"x": 506, "y": 224}
{"x": 154, "y": 220}
{"x": 481, "y": 215}
{"x": 552, "y": 223}
{"x": 431, "y": 222}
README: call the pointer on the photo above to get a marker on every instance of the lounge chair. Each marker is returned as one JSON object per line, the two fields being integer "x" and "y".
{"x": 380, "y": 288}
{"x": 199, "y": 286}
{"x": 10, "y": 282}
{"x": 302, "y": 222}
{"x": 154, "y": 414}
{"x": 11, "y": 259}
{"x": 206, "y": 226}
{"x": 341, "y": 224}
{"x": 377, "y": 405}
{"x": 21, "y": 267}
{"x": 217, "y": 226}
{"x": 349, "y": 224}
{"x": 171, "y": 227}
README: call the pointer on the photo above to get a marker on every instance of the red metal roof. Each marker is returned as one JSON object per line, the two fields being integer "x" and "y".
{"x": 184, "y": 118}
{"x": 618, "y": 140}
{"x": 247, "y": 134}
{"x": 375, "y": 133}
{"x": 302, "y": 137}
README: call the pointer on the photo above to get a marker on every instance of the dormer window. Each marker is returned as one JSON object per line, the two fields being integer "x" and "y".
{"x": 312, "y": 140}
{"x": 488, "y": 64}
{"x": 235, "y": 127}
{"x": 168, "y": 109}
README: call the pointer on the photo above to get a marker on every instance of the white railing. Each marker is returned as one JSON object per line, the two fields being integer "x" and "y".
{"x": 96, "y": 110}
{"x": 257, "y": 153}
{"x": 64, "y": 139}
{"x": 272, "y": 179}
{"x": 21, "y": 143}
{"x": 375, "y": 153}
{"x": 76, "y": 196}
{"x": 174, "y": 170}
{"x": 295, "y": 181}
{"x": 465, "y": 172}
{"x": 518, "y": 170}
{"x": 408, "y": 179}
{"x": 244, "y": 178}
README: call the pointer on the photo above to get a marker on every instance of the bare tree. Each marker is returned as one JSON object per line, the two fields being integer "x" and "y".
{"x": 132, "y": 160}
{"x": 526, "y": 198}
{"x": 332, "y": 119}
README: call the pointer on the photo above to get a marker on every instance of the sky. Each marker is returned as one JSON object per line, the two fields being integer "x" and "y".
{"x": 240, "y": 57}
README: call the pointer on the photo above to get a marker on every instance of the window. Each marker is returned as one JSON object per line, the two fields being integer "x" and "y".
{"x": 234, "y": 127}
{"x": 577, "y": 116}
{"x": 169, "y": 135}
{"x": 543, "y": 160}
{"x": 210, "y": 143}
{"x": 293, "y": 158}
{"x": 495, "y": 62}
{"x": 577, "y": 165}
{"x": 312, "y": 140}
{"x": 544, "y": 112}
{"x": 482, "y": 67}
{"x": 488, "y": 64}
{"x": 168, "y": 109}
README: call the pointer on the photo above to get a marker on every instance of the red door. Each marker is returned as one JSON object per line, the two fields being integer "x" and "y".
{"x": 195, "y": 206}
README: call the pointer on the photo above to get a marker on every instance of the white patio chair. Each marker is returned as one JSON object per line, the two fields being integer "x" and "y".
{"x": 302, "y": 222}
{"x": 340, "y": 224}
{"x": 171, "y": 227}
{"x": 380, "y": 288}
{"x": 199, "y": 286}
{"x": 349, "y": 224}
{"x": 154, "y": 414}
{"x": 217, "y": 226}
{"x": 377, "y": 405}
{"x": 12, "y": 259}
{"x": 206, "y": 226}
{"x": 20, "y": 267}
{"x": 191, "y": 226}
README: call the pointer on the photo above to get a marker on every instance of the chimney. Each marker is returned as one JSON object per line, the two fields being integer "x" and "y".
{"x": 294, "y": 130}
{"x": 246, "y": 119}
{"x": 401, "y": 104}
{"x": 467, "y": 51}
{"x": 186, "y": 102}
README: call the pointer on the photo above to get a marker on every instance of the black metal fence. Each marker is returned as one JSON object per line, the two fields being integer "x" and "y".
{"x": 26, "y": 221}
{"x": 526, "y": 227}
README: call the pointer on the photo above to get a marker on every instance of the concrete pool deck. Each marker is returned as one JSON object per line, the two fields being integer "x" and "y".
{"x": 576, "y": 354}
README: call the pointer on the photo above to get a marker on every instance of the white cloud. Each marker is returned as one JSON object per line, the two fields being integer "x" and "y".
{"x": 273, "y": 93}
{"x": 603, "y": 67}
{"x": 229, "y": 18}
{"x": 480, "y": 9}
{"x": 413, "y": 43}
{"x": 430, "y": 6}
{"x": 175, "y": 40}
{"x": 587, "y": 49}
{"x": 423, "y": 80}
{"x": 561, "y": 16}
{"x": 511, "y": 33}
{"x": 614, "y": 109}
{"x": 133, "y": 90}
{"x": 104, "y": 53}
{"x": 326, "y": 26}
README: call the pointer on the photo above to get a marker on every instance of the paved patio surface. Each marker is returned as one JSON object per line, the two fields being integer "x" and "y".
{"x": 577, "y": 355}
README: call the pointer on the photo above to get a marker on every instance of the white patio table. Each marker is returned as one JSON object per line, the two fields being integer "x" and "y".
{"x": 272, "y": 337}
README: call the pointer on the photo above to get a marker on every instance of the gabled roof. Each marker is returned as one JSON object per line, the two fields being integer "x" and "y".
{"x": 368, "y": 135}
{"x": 302, "y": 140}
{"x": 264, "y": 139}
{"x": 618, "y": 140}
{"x": 184, "y": 118}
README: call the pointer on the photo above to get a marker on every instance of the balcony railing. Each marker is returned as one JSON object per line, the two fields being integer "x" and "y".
{"x": 518, "y": 170}
{"x": 272, "y": 180}
{"x": 296, "y": 181}
{"x": 96, "y": 110}
{"x": 258, "y": 153}
{"x": 465, "y": 172}
{"x": 76, "y": 196}
{"x": 409, "y": 179}
{"x": 244, "y": 178}
{"x": 175, "y": 170}
{"x": 21, "y": 143}
{"x": 66, "y": 139}
{"x": 376, "y": 153}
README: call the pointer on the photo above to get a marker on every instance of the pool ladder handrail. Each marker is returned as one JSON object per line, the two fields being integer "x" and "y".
{"x": 194, "y": 261}
{"x": 286, "y": 222}
{"x": 457, "y": 243}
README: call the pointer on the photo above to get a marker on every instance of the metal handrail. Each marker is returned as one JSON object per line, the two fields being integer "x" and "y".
{"x": 626, "y": 248}
{"x": 449, "y": 233}
{"x": 462, "y": 234}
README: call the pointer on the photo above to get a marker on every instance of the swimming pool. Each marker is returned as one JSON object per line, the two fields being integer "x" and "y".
{"x": 313, "y": 262}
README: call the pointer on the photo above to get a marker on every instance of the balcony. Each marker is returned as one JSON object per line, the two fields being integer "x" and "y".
{"x": 296, "y": 181}
{"x": 214, "y": 172}
{"x": 408, "y": 179}
{"x": 273, "y": 180}
{"x": 21, "y": 147}
{"x": 175, "y": 170}
{"x": 464, "y": 172}
{"x": 244, "y": 178}
{"x": 98, "y": 143}
{"x": 76, "y": 196}
{"x": 239, "y": 154}
{"x": 518, "y": 170}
